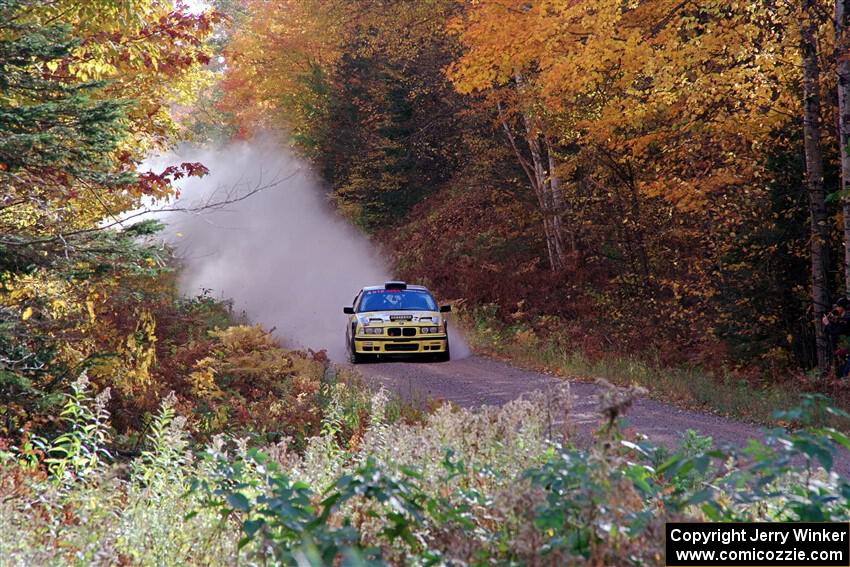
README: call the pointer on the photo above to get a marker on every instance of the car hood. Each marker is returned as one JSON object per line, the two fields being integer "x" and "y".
{"x": 385, "y": 317}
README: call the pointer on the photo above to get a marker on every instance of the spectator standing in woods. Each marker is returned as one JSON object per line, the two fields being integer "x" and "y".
{"x": 837, "y": 324}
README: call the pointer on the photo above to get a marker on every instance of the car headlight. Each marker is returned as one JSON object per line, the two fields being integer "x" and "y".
{"x": 373, "y": 330}
{"x": 429, "y": 330}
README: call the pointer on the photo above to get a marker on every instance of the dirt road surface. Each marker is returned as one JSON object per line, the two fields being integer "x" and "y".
{"x": 476, "y": 381}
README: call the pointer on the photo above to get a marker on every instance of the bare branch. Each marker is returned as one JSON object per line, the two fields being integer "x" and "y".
{"x": 208, "y": 205}
{"x": 526, "y": 167}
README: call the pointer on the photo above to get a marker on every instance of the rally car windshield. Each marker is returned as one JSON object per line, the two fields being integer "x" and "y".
{"x": 396, "y": 300}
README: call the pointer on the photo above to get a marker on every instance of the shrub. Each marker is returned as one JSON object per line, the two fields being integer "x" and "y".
{"x": 499, "y": 486}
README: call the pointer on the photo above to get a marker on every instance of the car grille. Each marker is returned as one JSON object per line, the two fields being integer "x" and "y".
{"x": 401, "y": 347}
{"x": 399, "y": 332}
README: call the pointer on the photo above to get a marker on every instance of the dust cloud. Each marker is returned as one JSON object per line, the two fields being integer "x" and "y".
{"x": 282, "y": 255}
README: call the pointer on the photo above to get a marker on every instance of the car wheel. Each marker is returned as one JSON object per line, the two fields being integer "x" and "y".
{"x": 445, "y": 356}
{"x": 355, "y": 358}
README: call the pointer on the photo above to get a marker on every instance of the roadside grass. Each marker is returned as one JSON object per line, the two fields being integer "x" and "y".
{"x": 459, "y": 487}
{"x": 691, "y": 387}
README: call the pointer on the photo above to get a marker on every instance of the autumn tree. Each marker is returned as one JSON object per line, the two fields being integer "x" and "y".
{"x": 841, "y": 26}
{"x": 280, "y": 61}
{"x": 84, "y": 95}
{"x": 815, "y": 175}
{"x": 361, "y": 92}
{"x": 489, "y": 31}
{"x": 665, "y": 99}
{"x": 619, "y": 153}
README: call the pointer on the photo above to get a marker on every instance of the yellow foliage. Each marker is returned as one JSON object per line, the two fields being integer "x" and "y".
{"x": 244, "y": 338}
{"x": 133, "y": 48}
{"x": 274, "y": 55}
{"x": 526, "y": 337}
{"x": 130, "y": 369}
{"x": 202, "y": 379}
{"x": 669, "y": 84}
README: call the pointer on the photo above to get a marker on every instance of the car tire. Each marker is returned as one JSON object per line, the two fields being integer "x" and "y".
{"x": 355, "y": 358}
{"x": 445, "y": 356}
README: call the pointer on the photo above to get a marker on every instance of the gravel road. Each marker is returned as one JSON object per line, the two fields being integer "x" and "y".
{"x": 477, "y": 381}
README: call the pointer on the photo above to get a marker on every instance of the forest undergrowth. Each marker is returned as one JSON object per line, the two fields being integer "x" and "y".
{"x": 498, "y": 486}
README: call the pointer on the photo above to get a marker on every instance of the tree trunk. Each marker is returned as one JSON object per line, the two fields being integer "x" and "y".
{"x": 842, "y": 64}
{"x": 558, "y": 203}
{"x": 541, "y": 179}
{"x": 814, "y": 179}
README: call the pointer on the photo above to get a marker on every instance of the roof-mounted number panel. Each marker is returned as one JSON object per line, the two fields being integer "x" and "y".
{"x": 395, "y": 285}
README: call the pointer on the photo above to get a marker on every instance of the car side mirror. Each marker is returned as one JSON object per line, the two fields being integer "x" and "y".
{"x": 348, "y": 310}
{"x": 445, "y": 308}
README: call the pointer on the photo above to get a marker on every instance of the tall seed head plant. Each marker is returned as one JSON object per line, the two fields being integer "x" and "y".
{"x": 81, "y": 451}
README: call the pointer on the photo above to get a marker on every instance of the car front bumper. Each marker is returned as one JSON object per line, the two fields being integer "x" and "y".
{"x": 403, "y": 345}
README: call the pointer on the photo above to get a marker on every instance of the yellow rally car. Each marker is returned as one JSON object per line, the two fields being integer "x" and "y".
{"x": 396, "y": 319}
